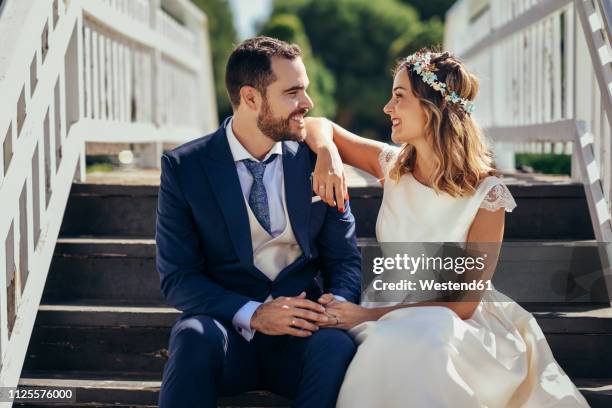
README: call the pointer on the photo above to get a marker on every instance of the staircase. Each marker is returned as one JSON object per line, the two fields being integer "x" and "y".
{"x": 139, "y": 72}
{"x": 103, "y": 328}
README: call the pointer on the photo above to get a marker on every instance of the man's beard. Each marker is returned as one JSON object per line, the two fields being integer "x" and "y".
{"x": 278, "y": 130}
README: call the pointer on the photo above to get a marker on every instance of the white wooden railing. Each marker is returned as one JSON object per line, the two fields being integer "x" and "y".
{"x": 77, "y": 71}
{"x": 546, "y": 84}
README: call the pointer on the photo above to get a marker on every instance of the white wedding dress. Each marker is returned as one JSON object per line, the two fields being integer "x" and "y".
{"x": 428, "y": 356}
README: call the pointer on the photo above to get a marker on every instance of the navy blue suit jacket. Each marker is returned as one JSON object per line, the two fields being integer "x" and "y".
{"x": 204, "y": 250}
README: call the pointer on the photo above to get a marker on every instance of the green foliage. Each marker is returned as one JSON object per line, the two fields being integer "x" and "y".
{"x": 546, "y": 163}
{"x": 430, "y": 34}
{"x": 222, "y": 36}
{"x": 289, "y": 28}
{"x": 430, "y": 8}
{"x": 353, "y": 39}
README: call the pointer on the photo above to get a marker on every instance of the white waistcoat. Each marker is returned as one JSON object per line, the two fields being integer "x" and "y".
{"x": 273, "y": 254}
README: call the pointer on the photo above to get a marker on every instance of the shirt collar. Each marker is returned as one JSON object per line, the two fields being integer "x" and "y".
{"x": 240, "y": 153}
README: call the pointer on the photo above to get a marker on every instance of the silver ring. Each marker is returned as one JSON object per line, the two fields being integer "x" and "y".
{"x": 293, "y": 322}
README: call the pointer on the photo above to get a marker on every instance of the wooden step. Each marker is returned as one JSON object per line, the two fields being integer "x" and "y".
{"x": 545, "y": 211}
{"x": 597, "y": 391}
{"x": 122, "y": 271}
{"x": 106, "y": 391}
{"x": 117, "y": 270}
{"x": 92, "y": 390}
{"x": 135, "y": 339}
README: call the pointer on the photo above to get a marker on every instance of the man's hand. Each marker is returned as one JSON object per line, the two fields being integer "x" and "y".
{"x": 296, "y": 316}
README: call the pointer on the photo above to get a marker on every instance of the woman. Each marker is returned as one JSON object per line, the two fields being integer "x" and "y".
{"x": 439, "y": 186}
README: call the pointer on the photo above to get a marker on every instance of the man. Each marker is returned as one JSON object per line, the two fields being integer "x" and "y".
{"x": 243, "y": 247}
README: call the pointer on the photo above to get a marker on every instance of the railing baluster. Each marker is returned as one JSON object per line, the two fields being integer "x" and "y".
{"x": 570, "y": 68}
{"x": 539, "y": 72}
{"x": 95, "y": 79}
{"x": 129, "y": 82}
{"x": 549, "y": 70}
{"x": 556, "y": 67}
{"x": 108, "y": 45}
{"x": 57, "y": 123}
{"x": 533, "y": 72}
{"x": 88, "y": 69}
{"x": 102, "y": 68}
{"x": 127, "y": 74}
{"x": 46, "y": 143}
{"x": 121, "y": 82}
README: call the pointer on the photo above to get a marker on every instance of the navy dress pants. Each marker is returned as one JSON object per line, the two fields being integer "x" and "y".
{"x": 205, "y": 363}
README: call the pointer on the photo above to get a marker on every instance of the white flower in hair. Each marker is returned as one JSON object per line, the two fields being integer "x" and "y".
{"x": 421, "y": 64}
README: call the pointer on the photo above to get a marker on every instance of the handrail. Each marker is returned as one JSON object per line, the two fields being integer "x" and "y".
{"x": 543, "y": 69}
{"x": 598, "y": 40}
{"x": 553, "y": 132}
{"x": 546, "y": 77}
{"x": 606, "y": 10}
{"x": 82, "y": 70}
{"x": 526, "y": 19}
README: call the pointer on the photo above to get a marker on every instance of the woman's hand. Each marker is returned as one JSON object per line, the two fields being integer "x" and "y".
{"x": 328, "y": 179}
{"x": 345, "y": 315}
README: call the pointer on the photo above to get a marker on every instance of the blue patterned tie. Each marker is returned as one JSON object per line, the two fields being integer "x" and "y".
{"x": 258, "y": 197}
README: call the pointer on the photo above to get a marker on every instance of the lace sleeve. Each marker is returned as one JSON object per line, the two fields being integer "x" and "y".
{"x": 498, "y": 197}
{"x": 387, "y": 157}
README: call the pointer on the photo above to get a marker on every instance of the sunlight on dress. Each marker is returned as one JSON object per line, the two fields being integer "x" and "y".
{"x": 428, "y": 356}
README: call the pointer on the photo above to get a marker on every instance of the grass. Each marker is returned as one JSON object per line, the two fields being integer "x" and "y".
{"x": 100, "y": 168}
{"x": 547, "y": 163}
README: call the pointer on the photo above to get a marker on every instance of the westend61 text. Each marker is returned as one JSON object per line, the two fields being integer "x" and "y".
{"x": 431, "y": 284}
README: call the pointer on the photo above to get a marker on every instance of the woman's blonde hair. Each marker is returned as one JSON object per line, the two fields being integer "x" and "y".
{"x": 462, "y": 159}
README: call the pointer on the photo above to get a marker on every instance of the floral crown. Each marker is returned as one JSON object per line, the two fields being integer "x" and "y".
{"x": 421, "y": 64}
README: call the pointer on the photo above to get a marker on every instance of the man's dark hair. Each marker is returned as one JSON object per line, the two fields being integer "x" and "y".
{"x": 250, "y": 64}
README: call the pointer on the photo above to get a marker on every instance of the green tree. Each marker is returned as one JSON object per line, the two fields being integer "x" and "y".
{"x": 430, "y": 8}
{"x": 353, "y": 38}
{"x": 222, "y": 36}
{"x": 430, "y": 34}
{"x": 289, "y": 28}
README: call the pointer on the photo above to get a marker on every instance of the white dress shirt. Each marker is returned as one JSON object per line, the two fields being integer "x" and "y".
{"x": 273, "y": 180}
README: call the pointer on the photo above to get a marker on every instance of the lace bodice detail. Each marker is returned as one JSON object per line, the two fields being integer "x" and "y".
{"x": 498, "y": 197}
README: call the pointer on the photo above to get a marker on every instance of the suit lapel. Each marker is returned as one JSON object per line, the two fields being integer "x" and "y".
{"x": 221, "y": 171}
{"x": 296, "y": 171}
